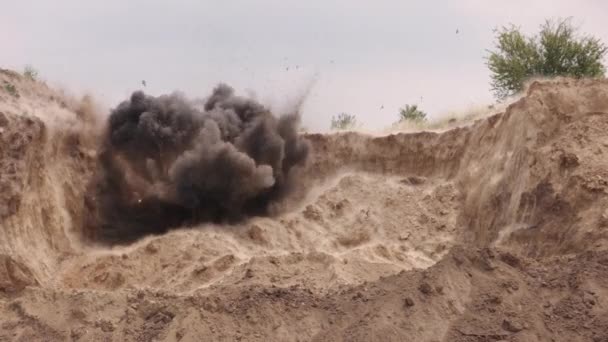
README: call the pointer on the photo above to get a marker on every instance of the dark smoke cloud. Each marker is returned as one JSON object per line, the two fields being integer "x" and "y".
{"x": 168, "y": 161}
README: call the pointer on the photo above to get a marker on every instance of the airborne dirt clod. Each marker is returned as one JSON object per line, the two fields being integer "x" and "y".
{"x": 495, "y": 231}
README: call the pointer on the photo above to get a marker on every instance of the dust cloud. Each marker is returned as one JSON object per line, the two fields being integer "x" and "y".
{"x": 169, "y": 161}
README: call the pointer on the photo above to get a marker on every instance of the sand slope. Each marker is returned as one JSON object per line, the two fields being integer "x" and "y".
{"x": 489, "y": 232}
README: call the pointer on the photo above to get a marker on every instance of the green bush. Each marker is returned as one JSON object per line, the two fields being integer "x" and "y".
{"x": 343, "y": 121}
{"x": 558, "y": 50}
{"x": 411, "y": 113}
{"x": 11, "y": 89}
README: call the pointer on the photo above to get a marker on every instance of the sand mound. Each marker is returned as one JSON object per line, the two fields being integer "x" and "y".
{"x": 493, "y": 231}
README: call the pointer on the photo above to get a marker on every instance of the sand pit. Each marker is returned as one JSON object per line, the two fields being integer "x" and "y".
{"x": 339, "y": 238}
{"x": 494, "y": 231}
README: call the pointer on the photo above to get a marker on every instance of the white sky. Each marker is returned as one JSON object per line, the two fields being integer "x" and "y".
{"x": 362, "y": 54}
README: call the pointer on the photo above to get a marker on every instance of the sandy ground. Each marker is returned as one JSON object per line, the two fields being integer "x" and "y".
{"x": 494, "y": 231}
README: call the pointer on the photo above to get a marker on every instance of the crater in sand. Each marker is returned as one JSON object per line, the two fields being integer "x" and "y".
{"x": 531, "y": 260}
{"x": 355, "y": 228}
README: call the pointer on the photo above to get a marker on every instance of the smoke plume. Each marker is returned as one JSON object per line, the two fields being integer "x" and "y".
{"x": 167, "y": 161}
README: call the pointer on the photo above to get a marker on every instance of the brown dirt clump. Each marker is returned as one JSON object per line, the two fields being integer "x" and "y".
{"x": 14, "y": 276}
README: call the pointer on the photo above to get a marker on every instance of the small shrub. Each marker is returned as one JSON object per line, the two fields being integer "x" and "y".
{"x": 412, "y": 113}
{"x": 11, "y": 89}
{"x": 343, "y": 121}
{"x": 30, "y": 73}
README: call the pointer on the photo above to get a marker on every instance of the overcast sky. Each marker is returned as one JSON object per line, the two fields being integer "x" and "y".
{"x": 356, "y": 55}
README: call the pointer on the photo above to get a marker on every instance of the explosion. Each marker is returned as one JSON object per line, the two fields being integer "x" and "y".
{"x": 168, "y": 161}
